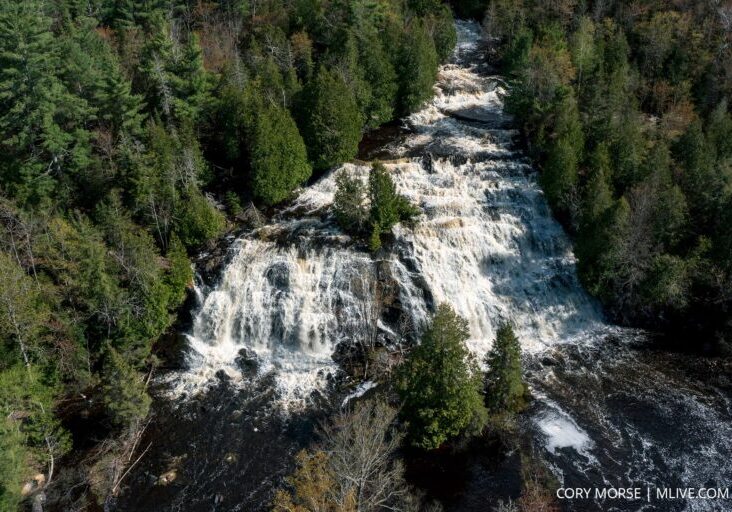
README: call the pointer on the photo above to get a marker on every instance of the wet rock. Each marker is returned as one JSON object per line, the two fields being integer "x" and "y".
{"x": 247, "y": 362}
{"x": 278, "y": 276}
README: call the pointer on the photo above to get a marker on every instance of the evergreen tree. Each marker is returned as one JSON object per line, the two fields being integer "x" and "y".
{"x": 440, "y": 384}
{"x": 330, "y": 120}
{"x": 417, "y": 66}
{"x": 349, "y": 203}
{"x": 119, "y": 106}
{"x": 442, "y": 27}
{"x": 126, "y": 14}
{"x": 278, "y": 156}
{"x": 198, "y": 220}
{"x": 702, "y": 179}
{"x": 180, "y": 274}
{"x": 23, "y": 315}
{"x": 13, "y": 464}
{"x": 505, "y": 389}
{"x": 382, "y": 79}
{"x": 176, "y": 85}
{"x": 124, "y": 390}
{"x": 41, "y": 122}
{"x": 191, "y": 84}
{"x": 387, "y": 206}
{"x": 33, "y": 432}
{"x": 560, "y": 174}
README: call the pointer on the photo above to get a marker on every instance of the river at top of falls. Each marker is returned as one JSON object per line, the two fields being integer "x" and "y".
{"x": 606, "y": 412}
{"x": 486, "y": 243}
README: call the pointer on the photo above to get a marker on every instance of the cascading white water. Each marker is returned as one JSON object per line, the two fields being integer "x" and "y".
{"x": 487, "y": 244}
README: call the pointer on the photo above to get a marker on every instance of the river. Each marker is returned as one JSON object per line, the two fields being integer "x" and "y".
{"x": 610, "y": 409}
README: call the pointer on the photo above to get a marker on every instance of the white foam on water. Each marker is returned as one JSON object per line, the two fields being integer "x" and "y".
{"x": 562, "y": 432}
{"x": 486, "y": 243}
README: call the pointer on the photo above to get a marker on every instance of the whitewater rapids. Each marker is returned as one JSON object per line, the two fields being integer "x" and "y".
{"x": 295, "y": 289}
{"x": 486, "y": 243}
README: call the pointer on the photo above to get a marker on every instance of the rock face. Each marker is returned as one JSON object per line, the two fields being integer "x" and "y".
{"x": 298, "y": 293}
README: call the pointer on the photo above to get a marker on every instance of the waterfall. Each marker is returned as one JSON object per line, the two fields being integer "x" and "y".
{"x": 296, "y": 289}
{"x": 486, "y": 243}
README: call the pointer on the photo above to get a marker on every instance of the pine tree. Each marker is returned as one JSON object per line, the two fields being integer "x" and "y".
{"x": 330, "y": 120}
{"x": 349, "y": 203}
{"x": 157, "y": 72}
{"x": 119, "y": 106}
{"x": 442, "y": 28}
{"x": 40, "y": 120}
{"x": 126, "y": 14}
{"x": 440, "y": 384}
{"x": 190, "y": 81}
{"x": 505, "y": 389}
{"x": 560, "y": 174}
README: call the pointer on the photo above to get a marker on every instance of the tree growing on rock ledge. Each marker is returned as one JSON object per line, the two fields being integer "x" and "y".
{"x": 440, "y": 384}
{"x": 375, "y": 218}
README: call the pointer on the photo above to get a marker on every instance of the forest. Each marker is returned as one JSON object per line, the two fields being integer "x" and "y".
{"x": 134, "y": 133}
{"x": 624, "y": 107}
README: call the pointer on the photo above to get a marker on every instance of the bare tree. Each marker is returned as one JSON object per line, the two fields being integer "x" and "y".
{"x": 353, "y": 469}
{"x": 361, "y": 445}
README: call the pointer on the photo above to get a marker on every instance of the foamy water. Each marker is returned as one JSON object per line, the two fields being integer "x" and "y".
{"x": 487, "y": 244}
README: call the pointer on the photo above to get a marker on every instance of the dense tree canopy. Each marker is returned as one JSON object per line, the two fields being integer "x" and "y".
{"x": 125, "y": 127}
{"x": 331, "y": 120}
{"x": 628, "y": 118}
{"x": 279, "y": 157}
{"x": 370, "y": 211}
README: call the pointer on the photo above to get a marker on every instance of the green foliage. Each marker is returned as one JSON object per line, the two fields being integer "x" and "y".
{"x": 330, "y": 120}
{"x": 29, "y": 432}
{"x": 379, "y": 72}
{"x": 560, "y": 175}
{"x": 349, "y": 203}
{"x": 41, "y": 122}
{"x": 418, "y": 65}
{"x": 180, "y": 273}
{"x": 440, "y": 384}
{"x": 13, "y": 464}
{"x": 199, "y": 220}
{"x": 443, "y": 32}
{"x": 601, "y": 99}
{"x": 176, "y": 85}
{"x": 23, "y": 315}
{"x": 122, "y": 123}
{"x": 125, "y": 395}
{"x": 278, "y": 155}
{"x": 385, "y": 206}
{"x": 505, "y": 388}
